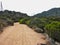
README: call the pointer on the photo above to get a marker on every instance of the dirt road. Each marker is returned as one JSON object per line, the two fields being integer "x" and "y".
{"x": 20, "y": 34}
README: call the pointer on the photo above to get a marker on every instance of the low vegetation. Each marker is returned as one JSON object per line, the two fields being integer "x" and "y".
{"x": 45, "y": 22}
{"x": 7, "y": 18}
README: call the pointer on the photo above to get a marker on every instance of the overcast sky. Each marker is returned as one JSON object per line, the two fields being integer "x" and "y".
{"x": 30, "y": 7}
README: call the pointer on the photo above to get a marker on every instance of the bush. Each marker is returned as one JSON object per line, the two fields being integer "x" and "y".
{"x": 53, "y": 30}
{"x": 4, "y": 22}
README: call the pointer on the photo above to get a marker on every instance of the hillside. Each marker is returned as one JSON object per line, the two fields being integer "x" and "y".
{"x": 51, "y": 12}
{"x": 13, "y": 15}
{"x": 45, "y": 22}
{"x": 8, "y": 18}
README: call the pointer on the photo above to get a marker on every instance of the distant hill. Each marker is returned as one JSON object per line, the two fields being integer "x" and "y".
{"x": 51, "y": 12}
{"x": 15, "y": 16}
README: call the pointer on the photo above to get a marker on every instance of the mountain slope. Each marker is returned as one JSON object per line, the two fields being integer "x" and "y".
{"x": 51, "y": 12}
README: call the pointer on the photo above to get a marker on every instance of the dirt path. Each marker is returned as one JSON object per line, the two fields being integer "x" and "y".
{"x": 20, "y": 34}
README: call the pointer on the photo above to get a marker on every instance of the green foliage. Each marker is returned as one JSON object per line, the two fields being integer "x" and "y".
{"x": 49, "y": 21}
{"x": 23, "y": 20}
{"x": 9, "y": 17}
{"x": 51, "y": 12}
{"x": 53, "y": 30}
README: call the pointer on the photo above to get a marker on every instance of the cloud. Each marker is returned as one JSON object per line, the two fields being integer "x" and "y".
{"x": 30, "y": 7}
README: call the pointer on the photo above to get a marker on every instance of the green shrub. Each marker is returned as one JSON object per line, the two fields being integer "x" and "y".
{"x": 53, "y": 30}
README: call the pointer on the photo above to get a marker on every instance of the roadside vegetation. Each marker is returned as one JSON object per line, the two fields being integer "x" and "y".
{"x": 8, "y": 18}
{"x": 45, "y": 22}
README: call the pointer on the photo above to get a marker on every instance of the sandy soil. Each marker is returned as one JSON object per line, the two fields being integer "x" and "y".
{"x": 20, "y": 34}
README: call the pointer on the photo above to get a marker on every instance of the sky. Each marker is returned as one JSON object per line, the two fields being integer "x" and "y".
{"x": 30, "y": 7}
